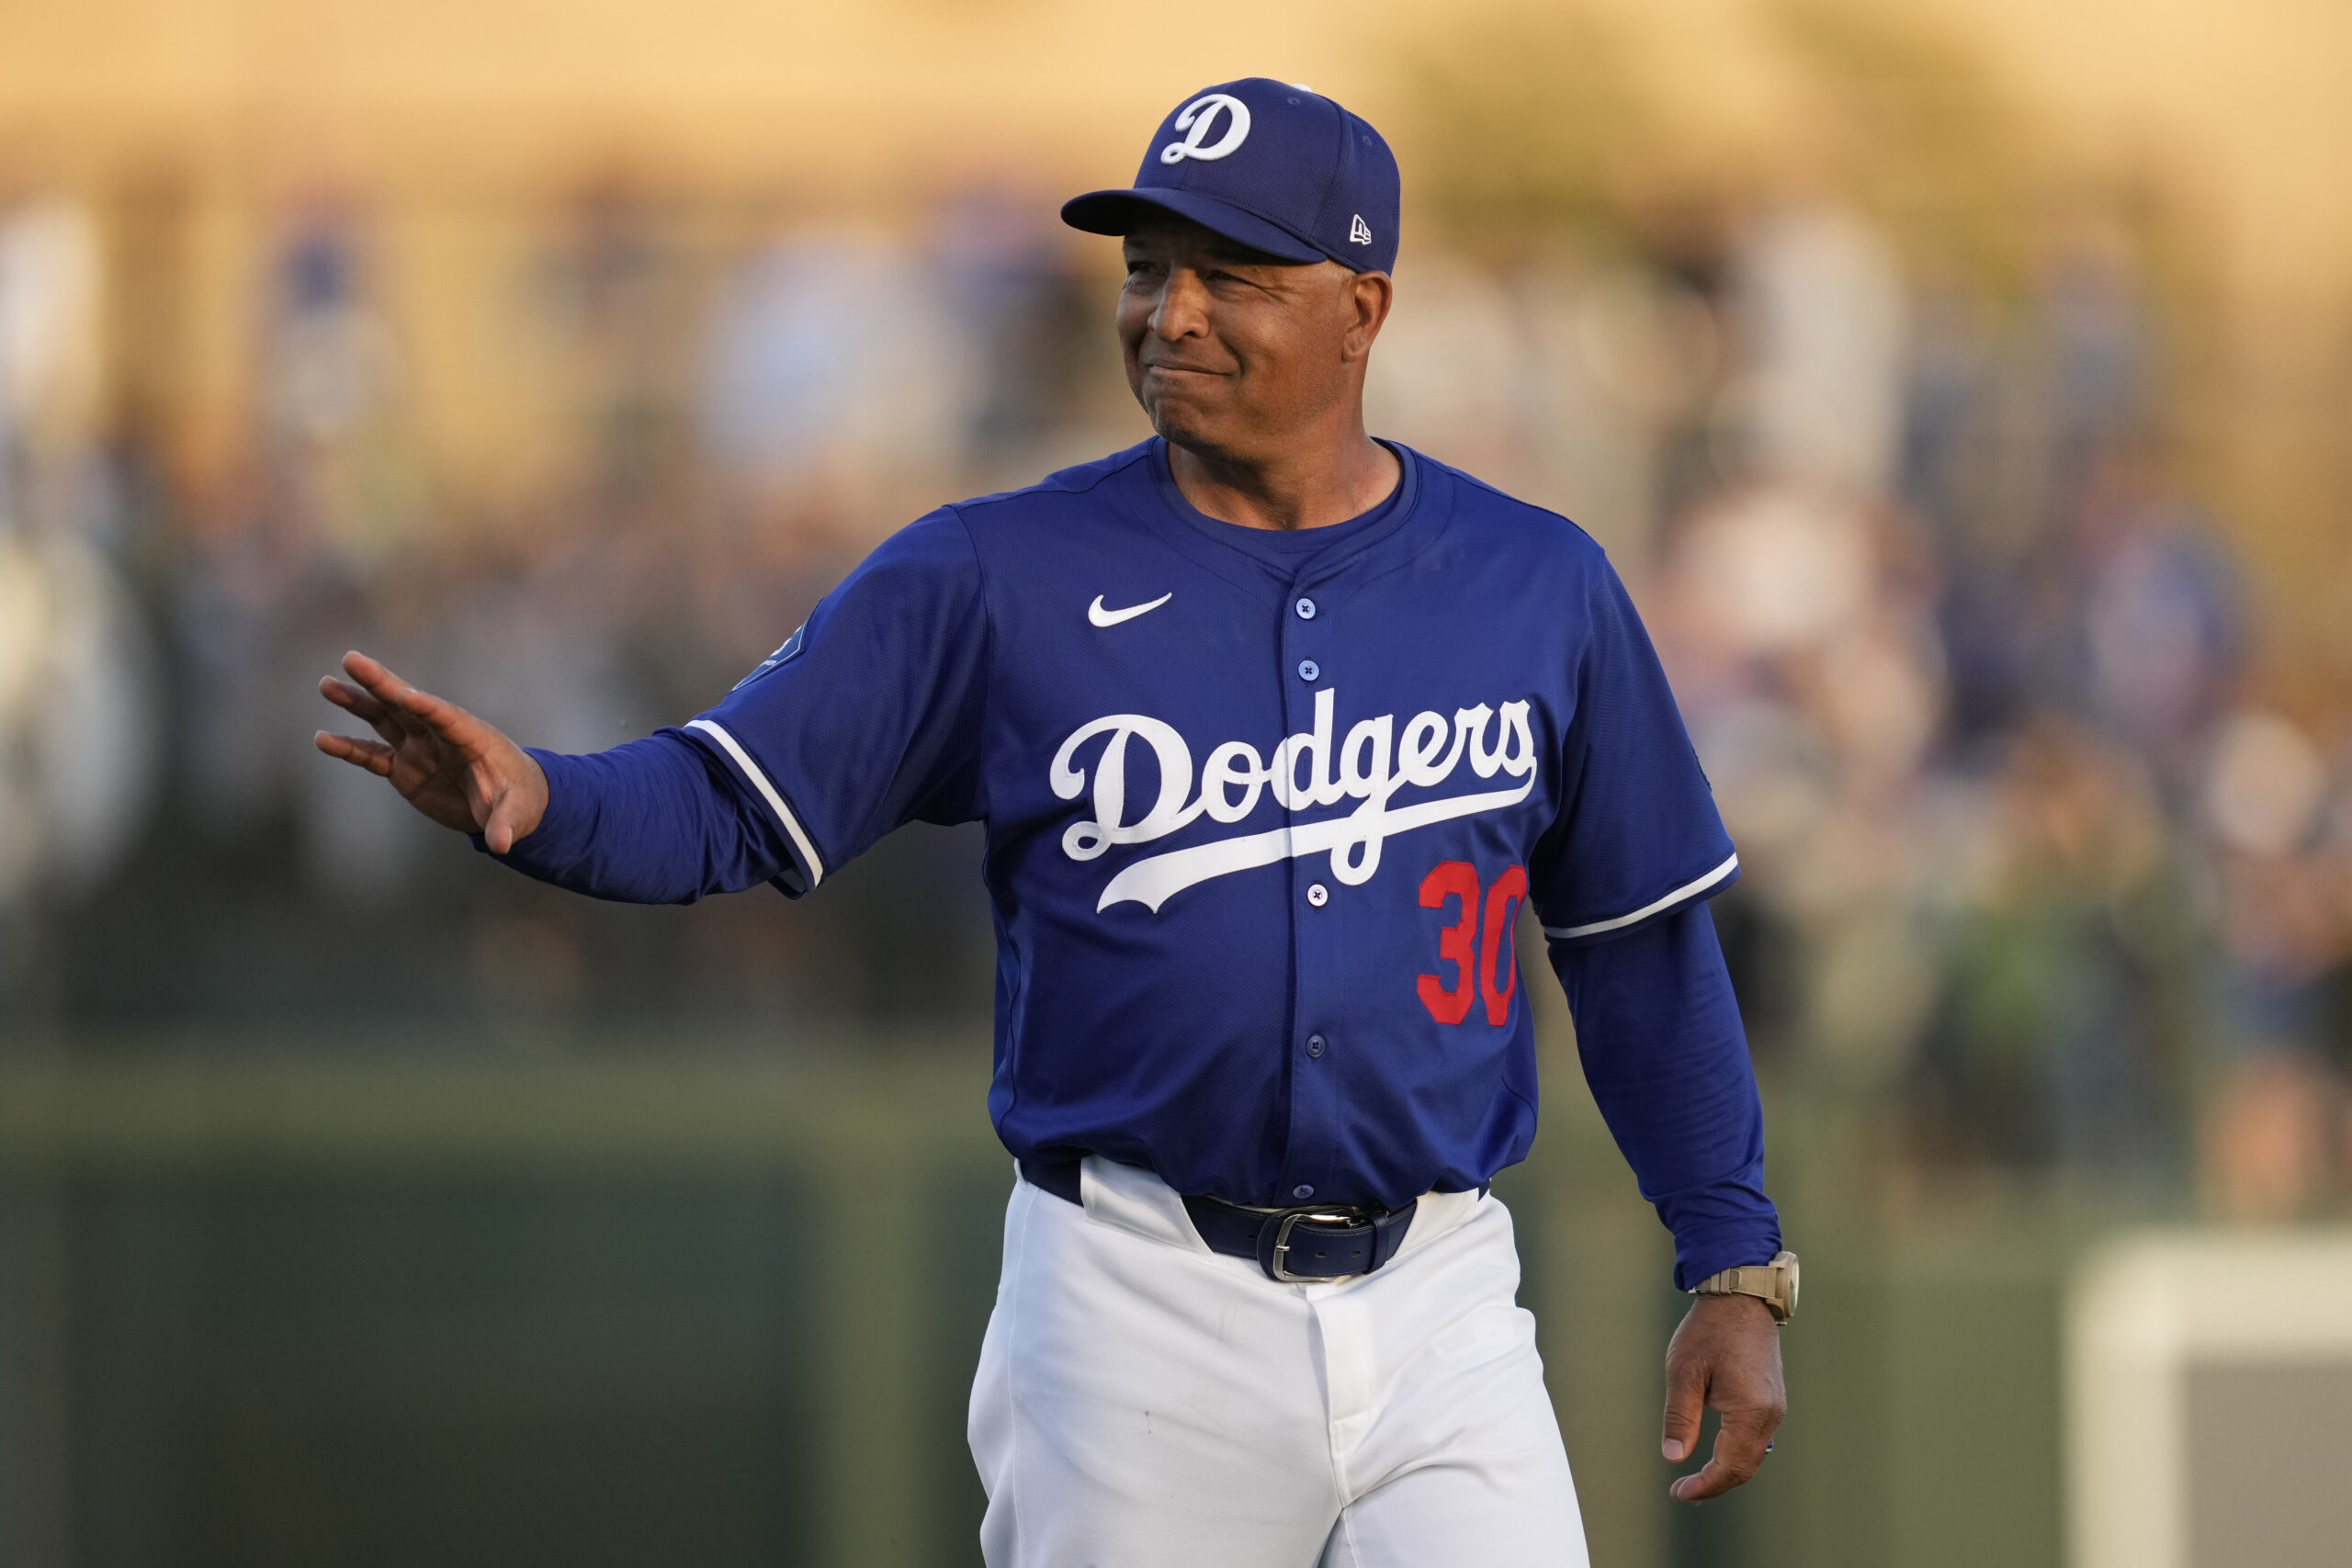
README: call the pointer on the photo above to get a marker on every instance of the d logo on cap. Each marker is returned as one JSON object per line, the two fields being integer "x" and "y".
{"x": 1198, "y": 118}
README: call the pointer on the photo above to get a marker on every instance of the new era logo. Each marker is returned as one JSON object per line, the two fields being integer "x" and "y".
{"x": 1359, "y": 232}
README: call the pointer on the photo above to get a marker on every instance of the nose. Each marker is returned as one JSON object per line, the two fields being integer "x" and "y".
{"x": 1182, "y": 308}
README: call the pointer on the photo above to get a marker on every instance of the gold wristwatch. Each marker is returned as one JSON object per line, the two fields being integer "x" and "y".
{"x": 1773, "y": 1283}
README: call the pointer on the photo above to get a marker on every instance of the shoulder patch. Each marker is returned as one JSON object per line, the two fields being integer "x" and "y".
{"x": 784, "y": 654}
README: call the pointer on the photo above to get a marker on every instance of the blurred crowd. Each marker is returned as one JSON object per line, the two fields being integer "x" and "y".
{"x": 2028, "y": 860}
{"x": 2034, "y": 868}
{"x": 173, "y": 853}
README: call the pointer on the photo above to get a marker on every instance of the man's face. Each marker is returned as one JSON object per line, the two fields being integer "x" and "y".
{"x": 1232, "y": 352}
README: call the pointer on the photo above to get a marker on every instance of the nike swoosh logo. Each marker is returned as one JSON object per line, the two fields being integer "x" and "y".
{"x": 1103, "y": 617}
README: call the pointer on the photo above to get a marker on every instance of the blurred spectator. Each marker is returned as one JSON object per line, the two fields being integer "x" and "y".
{"x": 330, "y": 394}
{"x": 2063, "y": 1032}
{"x": 1009, "y": 277}
{"x": 78, "y": 712}
{"x": 275, "y": 573}
{"x": 1794, "y": 622}
{"x": 1556, "y": 384}
{"x": 2280, "y": 840}
{"x": 1823, "y": 310}
{"x": 1450, "y": 375}
{"x": 613, "y": 286}
{"x": 835, "y": 366}
{"x": 79, "y": 743}
{"x": 1807, "y": 668}
{"x": 49, "y": 335}
{"x": 1650, "y": 351}
{"x": 2103, "y": 375}
{"x": 2159, "y": 648}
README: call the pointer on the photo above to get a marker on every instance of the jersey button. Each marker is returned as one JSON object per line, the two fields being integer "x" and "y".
{"x": 1306, "y": 608}
{"x": 1302, "y": 1190}
{"x": 1317, "y": 895}
{"x": 1309, "y": 671}
{"x": 1314, "y": 1046}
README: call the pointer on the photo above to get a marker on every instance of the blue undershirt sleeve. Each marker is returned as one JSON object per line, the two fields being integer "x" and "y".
{"x": 650, "y": 822}
{"x": 1665, "y": 1054}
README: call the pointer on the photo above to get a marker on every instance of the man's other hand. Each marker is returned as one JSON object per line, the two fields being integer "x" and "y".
{"x": 448, "y": 764}
{"x": 1727, "y": 1355}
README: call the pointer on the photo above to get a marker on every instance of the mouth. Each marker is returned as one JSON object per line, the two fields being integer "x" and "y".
{"x": 1157, "y": 368}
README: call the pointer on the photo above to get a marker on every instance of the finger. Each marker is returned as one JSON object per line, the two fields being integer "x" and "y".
{"x": 376, "y": 680}
{"x": 1739, "y": 1452}
{"x": 372, "y": 675}
{"x": 417, "y": 711}
{"x": 1686, "y": 1401}
{"x": 502, "y": 828}
{"x": 372, "y": 755}
{"x": 403, "y": 703}
{"x": 351, "y": 700}
{"x": 391, "y": 727}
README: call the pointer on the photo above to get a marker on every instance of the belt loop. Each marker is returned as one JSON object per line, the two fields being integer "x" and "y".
{"x": 1389, "y": 1233}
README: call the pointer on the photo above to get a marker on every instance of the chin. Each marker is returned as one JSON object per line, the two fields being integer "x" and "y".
{"x": 1180, "y": 424}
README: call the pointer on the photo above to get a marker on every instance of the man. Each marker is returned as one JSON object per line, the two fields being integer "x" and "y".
{"x": 1273, "y": 727}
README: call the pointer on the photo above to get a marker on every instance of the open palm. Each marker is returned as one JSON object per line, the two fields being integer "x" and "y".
{"x": 461, "y": 772}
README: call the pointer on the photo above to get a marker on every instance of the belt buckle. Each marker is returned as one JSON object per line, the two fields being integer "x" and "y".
{"x": 1289, "y": 1222}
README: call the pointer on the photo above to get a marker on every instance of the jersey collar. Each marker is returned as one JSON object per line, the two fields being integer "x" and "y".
{"x": 1172, "y": 518}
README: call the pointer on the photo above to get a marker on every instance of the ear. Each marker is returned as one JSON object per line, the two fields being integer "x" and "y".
{"x": 1364, "y": 299}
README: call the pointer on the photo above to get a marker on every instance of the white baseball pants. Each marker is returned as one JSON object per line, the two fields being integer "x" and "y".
{"x": 1145, "y": 1403}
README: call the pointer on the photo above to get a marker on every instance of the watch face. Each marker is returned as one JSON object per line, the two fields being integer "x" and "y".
{"x": 1791, "y": 1259}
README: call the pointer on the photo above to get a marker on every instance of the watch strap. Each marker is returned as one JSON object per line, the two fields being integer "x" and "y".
{"x": 1766, "y": 1282}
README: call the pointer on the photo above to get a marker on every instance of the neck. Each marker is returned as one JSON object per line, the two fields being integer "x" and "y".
{"x": 1306, "y": 489}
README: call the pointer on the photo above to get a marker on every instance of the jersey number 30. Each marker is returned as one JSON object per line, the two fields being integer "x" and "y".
{"x": 1473, "y": 945}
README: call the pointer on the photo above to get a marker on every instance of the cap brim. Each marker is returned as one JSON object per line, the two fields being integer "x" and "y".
{"x": 1115, "y": 211}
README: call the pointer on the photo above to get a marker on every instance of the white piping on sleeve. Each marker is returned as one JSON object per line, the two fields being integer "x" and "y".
{"x": 1688, "y": 889}
{"x": 768, "y": 792}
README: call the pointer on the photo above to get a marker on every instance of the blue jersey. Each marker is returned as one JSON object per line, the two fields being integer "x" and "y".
{"x": 1261, "y": 812}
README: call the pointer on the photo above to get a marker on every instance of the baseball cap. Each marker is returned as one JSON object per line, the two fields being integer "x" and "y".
{"x": 1268, "y": 164}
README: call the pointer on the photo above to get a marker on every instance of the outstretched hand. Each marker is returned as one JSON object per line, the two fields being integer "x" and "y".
{"x": 1726, "y": 1355}
{"x": 456, "y": 769}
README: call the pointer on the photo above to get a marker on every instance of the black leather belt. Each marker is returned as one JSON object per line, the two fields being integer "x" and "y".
{"x": 1300, "y": 1246}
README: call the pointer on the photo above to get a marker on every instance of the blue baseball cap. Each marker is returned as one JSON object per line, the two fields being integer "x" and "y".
{"x": 1269, "y": 166}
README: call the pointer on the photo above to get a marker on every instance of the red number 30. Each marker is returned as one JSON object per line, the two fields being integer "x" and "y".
{"x": 1471, "y": 946}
